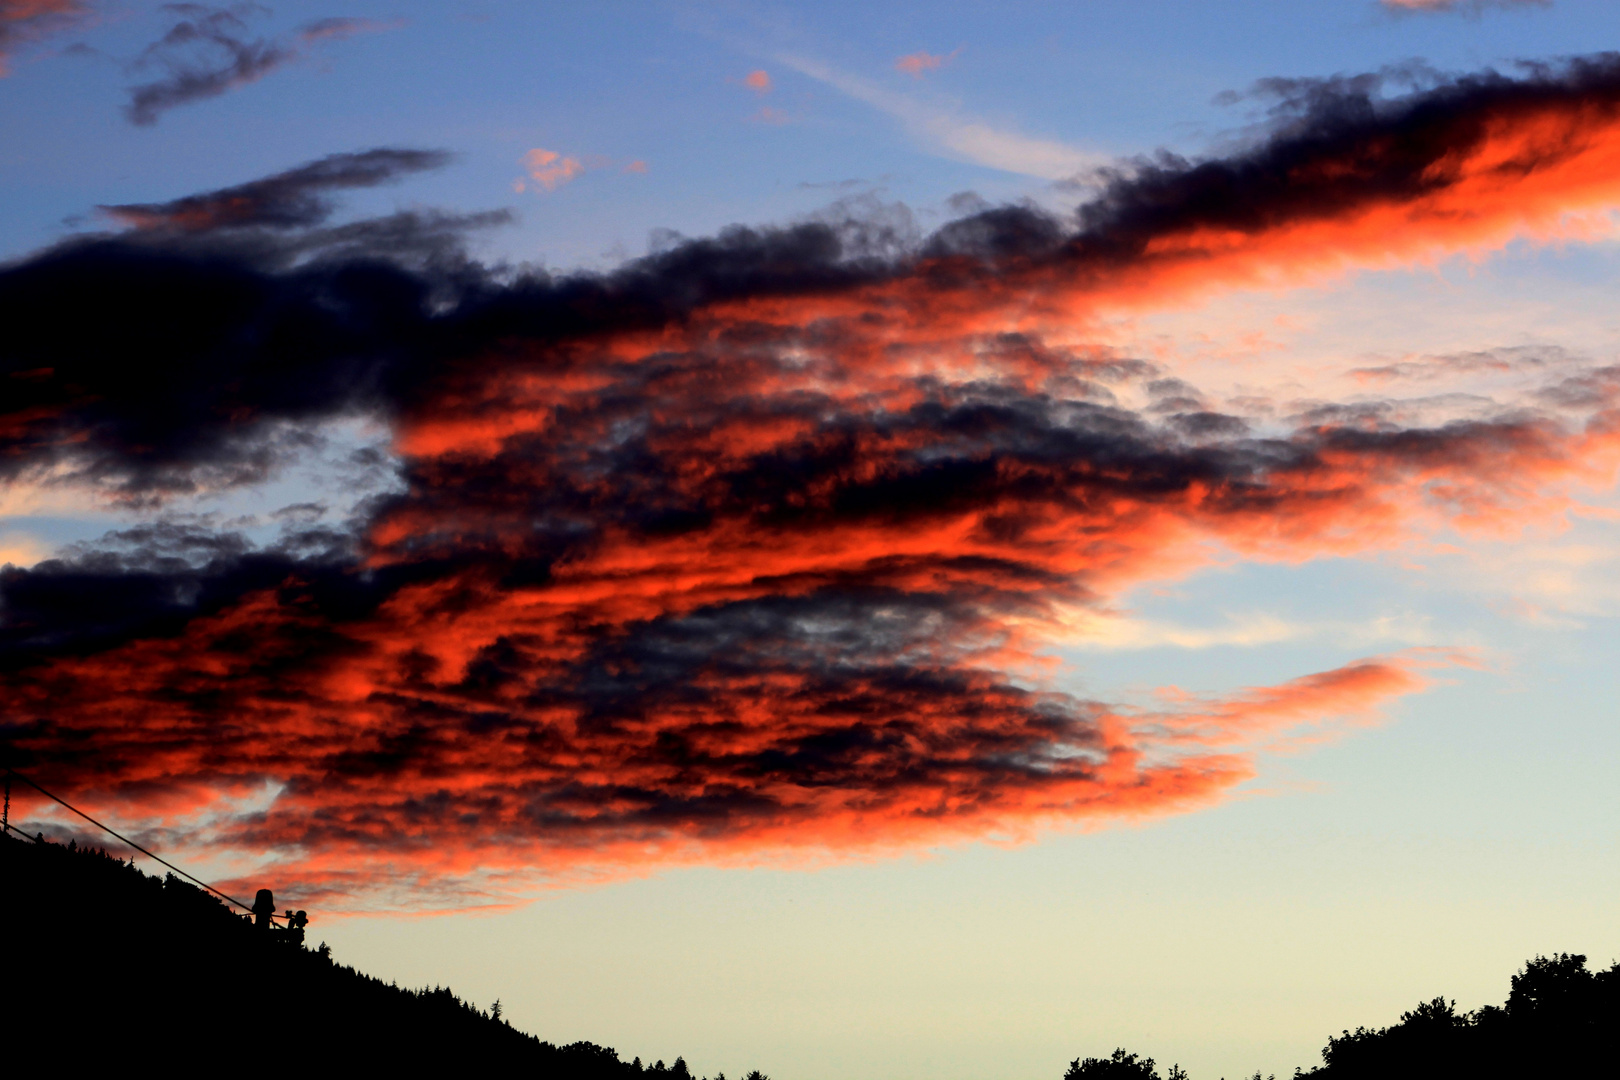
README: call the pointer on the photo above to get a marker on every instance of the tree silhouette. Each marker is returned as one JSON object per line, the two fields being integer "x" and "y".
{"x": 1558, "y": 1021}
{"x": 1120, "y": 1065}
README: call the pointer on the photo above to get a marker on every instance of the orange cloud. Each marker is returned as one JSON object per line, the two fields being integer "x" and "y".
{"x": 550, "y": 169}
{"x": 758, "y": 81}
{"x": 915, "y": 64}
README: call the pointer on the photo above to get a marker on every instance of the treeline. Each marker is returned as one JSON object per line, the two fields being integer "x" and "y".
{"x": 1560, "y": 1020}
{"x": 105, "y": 965}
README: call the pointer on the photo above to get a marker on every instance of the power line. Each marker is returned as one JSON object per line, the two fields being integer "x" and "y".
{"x": 13, "y": 772}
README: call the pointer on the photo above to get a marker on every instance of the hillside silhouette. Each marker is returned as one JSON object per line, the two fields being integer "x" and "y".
{"x": 105, "y": 965}
{"x": 1560, "y": 1020}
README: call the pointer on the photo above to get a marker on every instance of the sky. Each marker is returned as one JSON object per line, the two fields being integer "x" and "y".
{"x": 850, "y": 540}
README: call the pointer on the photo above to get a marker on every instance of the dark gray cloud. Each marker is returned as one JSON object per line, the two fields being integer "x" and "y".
{"x": 210, "y": 50}
{"x": 296, "y": 198}
{"x": 205, "y": 53}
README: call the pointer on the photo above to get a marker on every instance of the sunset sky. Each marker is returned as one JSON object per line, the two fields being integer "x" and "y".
{"x": 855, "y": 540}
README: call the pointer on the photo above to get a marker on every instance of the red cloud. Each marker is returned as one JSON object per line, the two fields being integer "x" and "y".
{"x": 417, "y": 790}
{"x": 1461, "y": 5}
{"x": 758, "y": 81}
{"x": 24, "y": 20}
{"x": 752, "y": 549}
{"x": 743, "y": 590}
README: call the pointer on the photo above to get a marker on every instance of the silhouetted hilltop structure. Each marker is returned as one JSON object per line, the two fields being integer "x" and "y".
{"x": 1560, "y": 1020}
{"x": 104, "y": 964}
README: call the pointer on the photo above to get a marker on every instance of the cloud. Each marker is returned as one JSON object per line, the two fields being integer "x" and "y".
{"x": 1474, "y": 162}
{"x": 186, "y": 284}
{"x": 550, "y": 169}
{"x": 712, "y": 757}
{"x": 292, "y": 199}
{"x": 207, "y": 53}
{"x": 1353, "y": 179}
{"x": 1472, "y": 7}
{"x": 962, "y": 137}
{"x": 1501, "y": 361}
{"x": 915, "y": 64}
{"x": 22, "y": 21}
{"x": 204, "y": 54}
{"x": 756, "y": 547}
{"x": 758, "y": 81}
{"x": 341, "y": 28}
{"x": 1104, "y": 630}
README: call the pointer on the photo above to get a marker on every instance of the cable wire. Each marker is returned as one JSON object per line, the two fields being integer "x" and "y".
{"x": 125, "y": 839}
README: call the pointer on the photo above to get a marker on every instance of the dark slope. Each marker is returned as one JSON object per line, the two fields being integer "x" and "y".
{"x": 106, "y": 965}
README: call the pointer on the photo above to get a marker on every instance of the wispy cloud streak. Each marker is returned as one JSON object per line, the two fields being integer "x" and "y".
{"x": 1470, "y": 7}
{"x": 969, "y": 139}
